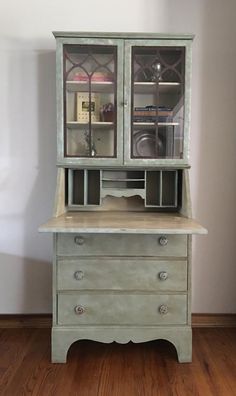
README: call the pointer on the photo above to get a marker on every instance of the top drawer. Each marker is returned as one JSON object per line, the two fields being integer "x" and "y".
{"x": 121, "y": 245}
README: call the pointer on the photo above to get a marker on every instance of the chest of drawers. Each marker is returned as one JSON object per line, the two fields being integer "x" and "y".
{"x": 123, "y": 283}
{"x": 122, "y": 221}
{"x": 121, "y": 286}
{"x": 125, "y": 288}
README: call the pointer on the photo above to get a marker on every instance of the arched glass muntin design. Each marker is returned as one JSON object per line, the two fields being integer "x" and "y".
{"x": 157, "y": 102}
{"x": 90, "y": 101}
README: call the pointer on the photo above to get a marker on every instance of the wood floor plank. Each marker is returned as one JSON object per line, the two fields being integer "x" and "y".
{"x": 96, "y": 369}
{"x": 214, "y": 360}
{"x": 14, "y": 346}
{"x": 222, "y": 360}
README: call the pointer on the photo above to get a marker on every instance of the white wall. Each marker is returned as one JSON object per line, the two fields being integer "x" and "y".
{"x": 28, "y": 136}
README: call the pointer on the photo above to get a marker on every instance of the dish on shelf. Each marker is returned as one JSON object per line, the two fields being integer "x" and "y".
{"x": 144, "y": 144}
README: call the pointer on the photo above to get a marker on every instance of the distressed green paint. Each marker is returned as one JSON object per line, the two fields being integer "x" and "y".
{"x": 124, "y": 35}
{"x": 124, "y": 45}
{"x": 97, "y": 162}
{"x": 64, "y": 336}
{"x": 121, "y": 309}
{"x": 121, "y": 290}
{"x": 125, "y": 273}
{"x": 128, "y": 161}
{"x": 114, "y": 244}
{"x": 60, "y": 101}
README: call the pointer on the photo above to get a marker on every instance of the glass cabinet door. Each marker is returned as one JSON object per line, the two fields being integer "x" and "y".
{"x": 90, "y": 82}
{"x": 155, "y": 114}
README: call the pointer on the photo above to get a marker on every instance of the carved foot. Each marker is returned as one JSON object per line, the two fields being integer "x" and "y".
{"x": 184, "y": 348}
{"x": 60, "y": 348}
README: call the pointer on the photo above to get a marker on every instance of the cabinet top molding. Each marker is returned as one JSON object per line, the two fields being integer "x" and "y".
{"x": 125, "y": 35}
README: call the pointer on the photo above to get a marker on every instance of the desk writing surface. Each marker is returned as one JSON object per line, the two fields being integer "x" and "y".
{"x": 123, "y": 222}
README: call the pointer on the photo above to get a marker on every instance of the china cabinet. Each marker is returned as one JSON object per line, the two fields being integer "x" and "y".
{"x": 122, "y": 223}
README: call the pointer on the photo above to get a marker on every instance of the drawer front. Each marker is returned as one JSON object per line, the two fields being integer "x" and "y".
{"x": 121, "y": 309}
{"x": 117, "y": 274}
{"x": 121, "y": 245}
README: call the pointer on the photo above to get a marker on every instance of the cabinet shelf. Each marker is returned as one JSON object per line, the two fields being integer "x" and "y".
{"x": 164, "y": 87}
{"x": 108, "y": 125}
{"x": 122, "y": 180}
{"x": 96, "y": 86}
{"x": 98, "y": 124}
{"x": 152, "y": 124}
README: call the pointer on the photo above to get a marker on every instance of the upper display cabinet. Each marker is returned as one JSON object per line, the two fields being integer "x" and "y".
{"x": 123, "y": 100}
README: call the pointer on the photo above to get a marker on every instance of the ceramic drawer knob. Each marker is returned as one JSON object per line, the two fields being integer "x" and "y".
{"x": 163, "y": 241}
{"x": 163, "y": 309}
{"x": 79, "y": 310}
{"x": 79, "y": 240}
{"x": 78, "y": 275}
{"x": 163, "y": 275}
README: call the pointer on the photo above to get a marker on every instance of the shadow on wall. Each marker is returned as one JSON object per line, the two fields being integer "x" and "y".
{"x": 28, "y": 176}
{"x": 29, "y": 288}
{"x": 215, "y": 268}
{"x": 37, "y": 274}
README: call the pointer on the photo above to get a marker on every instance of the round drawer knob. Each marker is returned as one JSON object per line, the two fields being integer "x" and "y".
{"x": 163, "y": 241}
{"x": 78, "y": 275}
{"x": 79, "y": 310}
{"x": 163, "y": 309}
{"x": 79, "y": 240}
{"x": 163, "y": 275}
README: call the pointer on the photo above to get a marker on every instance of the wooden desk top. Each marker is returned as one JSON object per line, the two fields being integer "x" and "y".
{"x": 123, "y": 223}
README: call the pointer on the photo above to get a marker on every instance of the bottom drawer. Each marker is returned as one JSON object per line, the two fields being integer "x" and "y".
{"x": 121, "y": 309}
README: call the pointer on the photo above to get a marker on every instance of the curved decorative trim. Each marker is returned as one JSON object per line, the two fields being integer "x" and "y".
{"x": 63, "y": 338}
{"x": 123, "y": 193}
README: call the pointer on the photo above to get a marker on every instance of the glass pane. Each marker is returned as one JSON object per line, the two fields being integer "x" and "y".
{"x": 77, "y": 142}
{"x": 90, "y": 100}
{"x": 157, "y": 120}
{"x": 103, "y": 142}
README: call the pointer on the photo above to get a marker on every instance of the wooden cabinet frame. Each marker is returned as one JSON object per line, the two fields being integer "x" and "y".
{"x": 147, "y": 253}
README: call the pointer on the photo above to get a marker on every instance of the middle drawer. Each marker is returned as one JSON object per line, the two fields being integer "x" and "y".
{"x": 121, "y": 274}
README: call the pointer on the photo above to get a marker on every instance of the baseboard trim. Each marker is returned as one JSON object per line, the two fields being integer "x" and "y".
{"x": 213, "y": 320}
{"x": 25, "y": 321}
{"x": 45, "y": 321}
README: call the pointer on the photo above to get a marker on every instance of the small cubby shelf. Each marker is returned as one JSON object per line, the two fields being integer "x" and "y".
{"x": 162, "y": 189}
{"x": 83, "y": 188}
{"x": 159, "y": 189}
{"x": 123, "y": 183}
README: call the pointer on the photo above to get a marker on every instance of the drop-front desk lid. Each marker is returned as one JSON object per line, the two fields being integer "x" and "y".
{"x": 123, "y": 222}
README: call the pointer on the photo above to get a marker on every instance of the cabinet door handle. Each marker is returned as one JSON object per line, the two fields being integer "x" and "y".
{"x": 79, "y": 240}
{"x": 163, "y": 309}
{"x": 163, "y": 275}
{"x": 79, "y": 309}
{"x": 78, "y": 275}
{"x": 163, "y": 240}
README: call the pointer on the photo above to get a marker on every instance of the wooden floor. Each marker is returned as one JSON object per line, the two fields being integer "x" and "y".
{"x": 148, "y": 369}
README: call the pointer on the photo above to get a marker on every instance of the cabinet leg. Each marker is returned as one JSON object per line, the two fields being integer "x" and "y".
{"x": 185, "y": 356}
{"x": 184, "y": 348}
{"x": 60, "y": 347}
